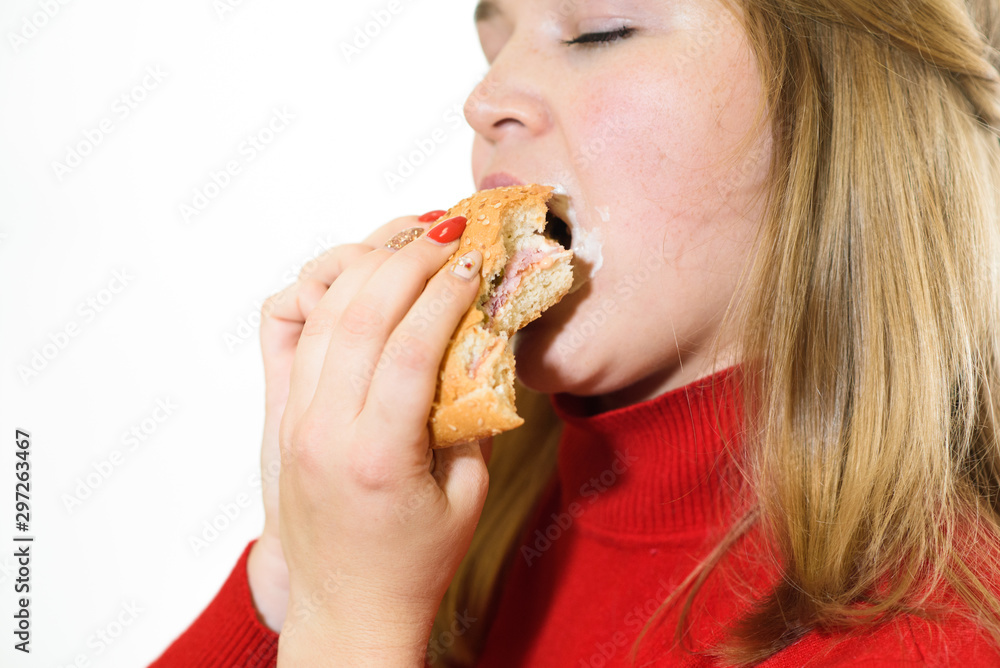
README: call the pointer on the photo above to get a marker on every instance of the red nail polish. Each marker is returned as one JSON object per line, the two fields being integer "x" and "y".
{"x": 448, "y": 231}
{"x": 431, "y": 216}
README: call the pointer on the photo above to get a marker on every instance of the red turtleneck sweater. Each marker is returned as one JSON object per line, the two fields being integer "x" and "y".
{"x": 639, "y": 499}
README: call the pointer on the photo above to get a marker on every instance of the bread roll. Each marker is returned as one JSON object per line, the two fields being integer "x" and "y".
{"x": 523, "y": 274}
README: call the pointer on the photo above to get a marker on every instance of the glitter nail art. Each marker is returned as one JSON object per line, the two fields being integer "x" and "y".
{"x": 403, "y": 238}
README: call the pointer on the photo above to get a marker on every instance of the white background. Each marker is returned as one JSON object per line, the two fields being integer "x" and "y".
{"x": 65, "y": 233}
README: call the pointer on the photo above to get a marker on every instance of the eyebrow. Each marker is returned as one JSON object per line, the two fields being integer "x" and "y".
{"x": 486, "y": 10}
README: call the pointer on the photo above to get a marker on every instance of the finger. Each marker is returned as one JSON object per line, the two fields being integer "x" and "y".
{"x": 314, "y": 336}
{"x": 296, "y": 302}
{"x": 326, "y": 267}
{"x": 393, "y": 227}
{"x": 403, "y": 386}
{"x": 461, "y": 473}
{"x": 284, "y": 314}
{"x": 358, "y": 343}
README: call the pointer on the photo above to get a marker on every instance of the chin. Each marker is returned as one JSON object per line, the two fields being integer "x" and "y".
{"x": 546, "y": 360}
{"x": 550, "y": 352}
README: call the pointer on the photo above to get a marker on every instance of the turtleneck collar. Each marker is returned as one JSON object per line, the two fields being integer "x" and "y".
{"x": 657, "y": 468}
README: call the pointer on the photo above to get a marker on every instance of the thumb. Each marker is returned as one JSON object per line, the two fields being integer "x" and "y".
{"x": 461, "y": 473}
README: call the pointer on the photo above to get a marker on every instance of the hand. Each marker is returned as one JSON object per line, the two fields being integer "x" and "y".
{"x": 373, "y": 522}
{"x": 282, "y": 318}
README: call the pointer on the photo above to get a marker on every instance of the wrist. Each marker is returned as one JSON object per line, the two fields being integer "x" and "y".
{"x": 352, "y": 633}
{"x": 267, "y": 575}
{"x": 305, "y": 644}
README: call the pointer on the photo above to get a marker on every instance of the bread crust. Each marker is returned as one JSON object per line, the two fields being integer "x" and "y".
{"x": 471, "y": 408}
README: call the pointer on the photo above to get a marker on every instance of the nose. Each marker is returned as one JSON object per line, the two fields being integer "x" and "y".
{"x": 509, "y": 100}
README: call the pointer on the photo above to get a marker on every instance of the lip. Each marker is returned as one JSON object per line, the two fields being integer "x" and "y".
{"x": 499, "y": 180}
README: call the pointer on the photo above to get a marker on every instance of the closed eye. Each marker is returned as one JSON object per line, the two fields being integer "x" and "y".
{"x": 596, "y": 38}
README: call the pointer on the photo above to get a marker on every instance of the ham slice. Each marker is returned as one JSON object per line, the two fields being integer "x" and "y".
{"x": 518, "y": 265}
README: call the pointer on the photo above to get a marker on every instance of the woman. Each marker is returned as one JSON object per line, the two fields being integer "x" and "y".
{"x": 776, "y": 440}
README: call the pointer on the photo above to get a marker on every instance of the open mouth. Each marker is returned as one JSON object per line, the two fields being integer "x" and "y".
{"x": 561, "y": 227}
{"x": 557, "y": 230}
{"x": 556, "y": 227}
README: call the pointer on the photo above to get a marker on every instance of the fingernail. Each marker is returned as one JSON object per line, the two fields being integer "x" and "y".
{"x": 468, "y": 265}
{"x": 431, "y": 216}
{"x": 403, "y": 238}
{"x": 446, "y": 232}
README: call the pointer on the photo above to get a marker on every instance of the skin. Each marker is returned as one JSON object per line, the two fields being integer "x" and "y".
{"x": 658, "y": 114}
{"x": 656, "y": 147}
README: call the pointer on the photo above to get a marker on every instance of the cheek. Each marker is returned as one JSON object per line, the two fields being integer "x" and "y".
{"x": 659, "y": 148}
{"x": 661, "y": 145}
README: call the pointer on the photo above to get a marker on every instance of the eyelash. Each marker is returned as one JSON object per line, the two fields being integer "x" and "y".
{"x": 592, "y": 39}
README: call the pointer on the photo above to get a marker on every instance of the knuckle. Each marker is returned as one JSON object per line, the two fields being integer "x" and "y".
{"x": 309, "y": 268}
{"x": 272, "y": 303}
{"x": 319, "y": 323}
{"x": 414, "y": 355}
{"x": 370, "y": 471}
{"x": 267, "y": 308}
{"x": 393, "y": 227}
{"x": 311, "y": 265}
{"x": 440, "y": 302}
{"x": 450, "y": 296}
{"x": 338, "y": 256}
{"x": 414, "y": 263}
{"x": 361, "y": 319}
{"x": 309, "y": 295}
{"x": 303, "y": 443}
{"x": 310, "y": 286}
{"x": 306, "y": 435}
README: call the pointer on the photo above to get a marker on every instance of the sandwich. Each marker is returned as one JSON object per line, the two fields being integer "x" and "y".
{"x": 525, "y": 271}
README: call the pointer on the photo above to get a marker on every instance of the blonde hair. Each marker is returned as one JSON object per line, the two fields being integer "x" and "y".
{"x": 869, "y": 337}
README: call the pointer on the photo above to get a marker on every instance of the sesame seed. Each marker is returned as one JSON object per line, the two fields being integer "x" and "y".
{"x": 480, "y": 422}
